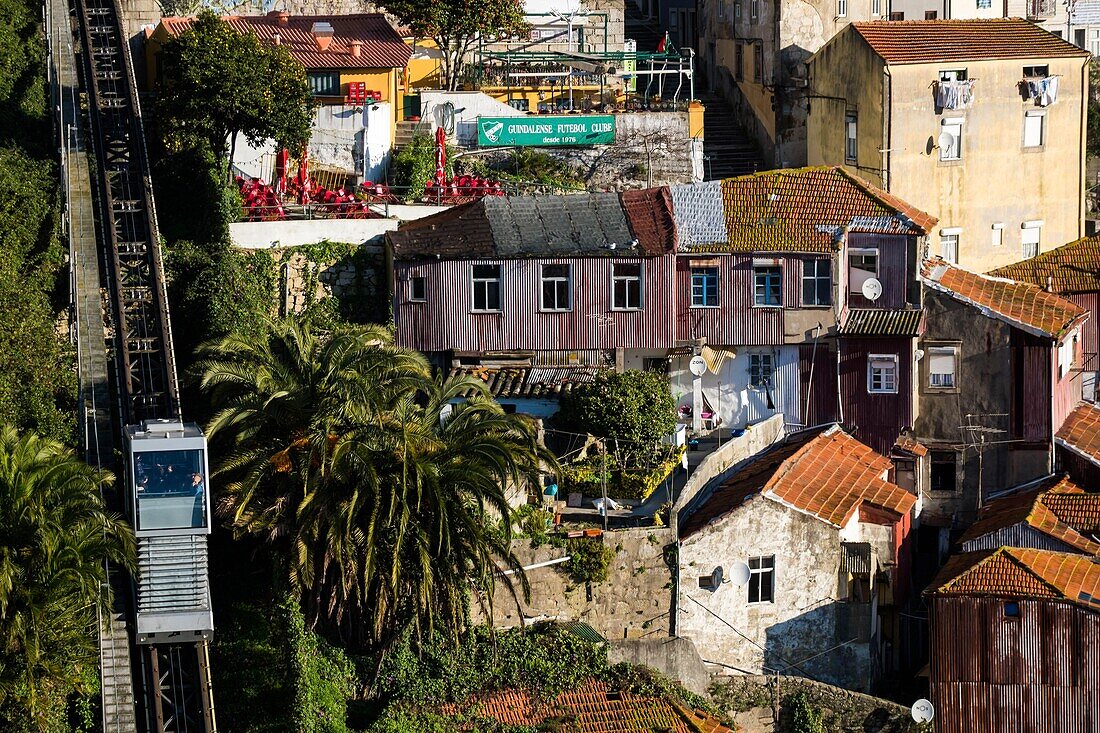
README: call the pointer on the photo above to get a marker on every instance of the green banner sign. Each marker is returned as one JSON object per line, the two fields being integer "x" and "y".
{"x": 533, "y": 131}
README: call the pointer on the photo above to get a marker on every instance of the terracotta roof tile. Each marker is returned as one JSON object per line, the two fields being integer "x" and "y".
{"x": 828, "y": 474}
{"x": 927, "y": 41}
{"x": 803, "y": 210}
{"x": 592, "y": 707}
{"x": 1081, "y": 432}
{"x": 909, "y": 445}
{"x": 649, "y": 212}
{"x": 1045, "y": 509}
{"x": 382, "y": 47}
{"x": 1015, "y": 572}
{"x": 1071, "y": 268}
{"x": 1020, "y": 304}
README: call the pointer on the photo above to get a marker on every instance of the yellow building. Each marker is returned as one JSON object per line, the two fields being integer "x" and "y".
{"x": 981, "y": 123}
{"x": 337, "y": 51}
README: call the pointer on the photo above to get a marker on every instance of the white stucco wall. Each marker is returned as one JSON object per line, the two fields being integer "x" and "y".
{"x": 730, "y": 394}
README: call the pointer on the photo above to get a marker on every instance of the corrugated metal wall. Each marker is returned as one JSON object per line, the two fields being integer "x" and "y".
{"x": 821, "y": 395}
{"x": 875, "y": 419}
{"x": 1090, "y": 332}
{"x": 893, "y": 271}
{"x": 1034, "y": 357}
{"x": 1033, "y": 674}
{"x": 445, "y": 321}
{"x": 1018, "y": 535}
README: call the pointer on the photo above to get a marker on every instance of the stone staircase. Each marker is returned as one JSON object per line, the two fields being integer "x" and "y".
{"x": 728, "y": 150}
{"x": 115, "y": 675}
{"x": 405, "y": 132}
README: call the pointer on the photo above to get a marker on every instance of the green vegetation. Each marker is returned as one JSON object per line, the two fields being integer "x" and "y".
{"x": 587, "y": 476}
{"x": 56, "y": 539}
{"x": 1092, "y": 132}
{"x": 631, "y": 410}
{"x": 337, "y": 458}
{"x": 523, "y": 168}
{"x": 589, "y": 560}
{"x": 804, "y": 717}
{"x": 456, "y": 25}
{"x": 413, "y": 166}
{"x": 219, "y": 84}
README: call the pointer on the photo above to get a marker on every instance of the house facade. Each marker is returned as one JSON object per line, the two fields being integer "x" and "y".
{"x": 962, "y": 119}
{"x": 996, "y": 379}
{"x": 1015, "y": 634}
{"x": 801, "y": 549}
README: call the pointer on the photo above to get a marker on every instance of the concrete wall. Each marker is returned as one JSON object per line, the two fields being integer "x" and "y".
{"x": 295, "y": 232}
{"x": 676, "y": 658}
{"x": 806, "y": 616}
{"x": 468, "y": 106}
{"x": 1046, "y": 182}
{"x": 633, "y": 603}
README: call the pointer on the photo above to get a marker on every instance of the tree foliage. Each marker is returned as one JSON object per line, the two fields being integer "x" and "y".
{"x": 219, "y": 84}
{"x": 338, "y": 456}
{"x": 57, "y": 537}
{"x": 456, "y": 25}
{"x": 1092, "y": 133}
{"x": 634, "y": 410}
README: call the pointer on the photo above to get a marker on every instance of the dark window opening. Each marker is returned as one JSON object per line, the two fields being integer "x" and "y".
{"x": 324, "y": 83}
{"x": 1031, "y": 72}
{"x": 944, "y": 470}
{"x": 418, "y": 289}
{"x": 486, "y": 284}
{"x": 762, "y": 579}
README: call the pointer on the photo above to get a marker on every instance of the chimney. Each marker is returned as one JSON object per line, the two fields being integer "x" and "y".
{"x": 282, "y": 16}
{"x": 356, "y": 48}
{"x": 322, "y": 34}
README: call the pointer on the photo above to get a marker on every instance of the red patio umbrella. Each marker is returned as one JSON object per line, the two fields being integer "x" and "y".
{"x": 281, "y": 159}
{"x": 302, "y": 179}
{"x": 440, "y": 155}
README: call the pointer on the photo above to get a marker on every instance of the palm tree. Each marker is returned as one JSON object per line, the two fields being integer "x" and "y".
{"x": 56, "y": 540}
{"x": 387, "y": 512}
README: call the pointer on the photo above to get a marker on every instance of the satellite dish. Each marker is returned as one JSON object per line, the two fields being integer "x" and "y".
{"x": 946, "y": 140}
{"x": 922, "y": 711}
{"x": 872, "y": 288}
{"x": 697, "y": 366}
{"x": 739, "y": 574}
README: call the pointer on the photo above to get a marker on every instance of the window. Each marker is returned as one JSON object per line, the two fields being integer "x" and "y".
{"x": 1067, "y": 356}
{"x": 737, "y": 10}
{"x": 1079, "y": 37}
{"x": 950, "y": 140}
{"x": 722, "y": 9}
{"x": 672, "y": 24}
{"x": 418, "y": 289}
{"x": 985, "y": 4}
{"x": 171, "y": 489}
{"x": 850, "y": 148}
{"x": 486, "y": 285}
{"x": 626, "y": 285}
{"x": 1031, "y": 72}
{"x": 704, "y": 287}
{"x": 324, "y": 83}
{"x": 519, "y": 104}
{"x": 1029, "y": 239}
{"x": 754, "y": 9}
{"x": 768, "y": 286}
{"x": 876, "y": 7}
{"x": 556, "y": 290}
{"x": 817, "y": 282}
{"x": 1034, "y": 129}
{"x": 762, "y": 579}
{"x": 841, "y": 8}
{"x": 897, "y": 16}
{"x": 757, "y": 62}
{"x": 942, "y": 365}
{"x": 862, "y": 266}
{"x": 1012, "y": 609}
{"x": 739, "y": 61}
{"x": 953, "y": 75}
{"x": 761, "y": 370}
{"x": 882, "y": 373}
{"x": 943, "y": 474}
{"x": 997, "y": 238}
{"x": 930, "y": 14}
{"x": 949, "y": 244}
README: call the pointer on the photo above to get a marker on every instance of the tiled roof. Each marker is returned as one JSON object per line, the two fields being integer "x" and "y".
{"x": 928, "y": 41}
{"x": 382, "y": 47}
{"x": 880, "y": 322}
{"x": 798, "y": 210}
{"x": 1020, "y": 304}
{"x": 1071, "y": 268}
{"x": 909, "y": 445}
{"x": 592, "y": 707}
{"x": 700, "y": 219}
{"x": 827, "y": 473}
{"x": 1036, "y": 508}
{"x": 585, "y": 224}
{"x": 537, "y": 383}
{"x": 1081, "y": 431}
{"x": 1017, "y": 572}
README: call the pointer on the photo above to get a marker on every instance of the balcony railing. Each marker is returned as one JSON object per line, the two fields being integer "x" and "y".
{"x": 1041, "y": 8}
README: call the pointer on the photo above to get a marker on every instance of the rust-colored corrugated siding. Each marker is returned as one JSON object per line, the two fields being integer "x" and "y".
{"x": 820, "y": 395}
{"x": 444, "y": 321}
{"x": 1034, "y": 674}
{"x": 1090, "y": 332}
{"x": 736, "y": 322}
{"x": 875, "y": 419}
{"x": 1034, "y": 355}
{"x": 1067, "y": 391}
{"x": 893, "y": 269}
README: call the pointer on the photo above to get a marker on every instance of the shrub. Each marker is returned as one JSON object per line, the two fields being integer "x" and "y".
{"x": 805, "y": 718}
{"x": 589, "y": 561}
{"x": 414, "y": 166}
{"x": 322, "y": 676}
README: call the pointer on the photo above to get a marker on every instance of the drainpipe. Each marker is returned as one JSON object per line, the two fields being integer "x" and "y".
{"x": 887, "y": 95}
{"x": 1054, "y": 364}
{"x": 1081, "y": 162}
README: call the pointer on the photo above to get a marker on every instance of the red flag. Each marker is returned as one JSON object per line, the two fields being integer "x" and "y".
{"x": 663, "y": 44}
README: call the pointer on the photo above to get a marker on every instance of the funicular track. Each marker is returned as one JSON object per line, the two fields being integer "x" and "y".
{"x": 171, "y": 682}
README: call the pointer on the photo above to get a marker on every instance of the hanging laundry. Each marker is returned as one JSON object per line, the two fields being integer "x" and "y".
{"x": 1043, "y": 91}
{"x": 954, "y": 94}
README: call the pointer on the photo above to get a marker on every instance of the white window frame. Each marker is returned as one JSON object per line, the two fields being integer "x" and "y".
{"x": 483, "y": 283}
{"x": 754, "y": 10}
{"x": 952, "y": 353}
{"x": 423, "y": 297}
{"x": 953, "y": 75}
{"x": 997, "y": 236}
{"x": 861, "y": 252}
{"x": 842, "y": 8}
{"x": 1067, "y": 351}
{"x": 1031, "y": 239}
{"x": 888, "y": 378}
{"x": 1035, "y": 129}
{"x": 953, "y": 236}
{"x": 947, "y": 125}
{"x": 704, "y": 271}
{"x": 765, "y": 568}
{"x": 876, "y": 7}
{"x": 627, "y": 279}
{"x": 556, "y": 280}
{"x": 761, "y": 370}
{"x": 851, "y": 138}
